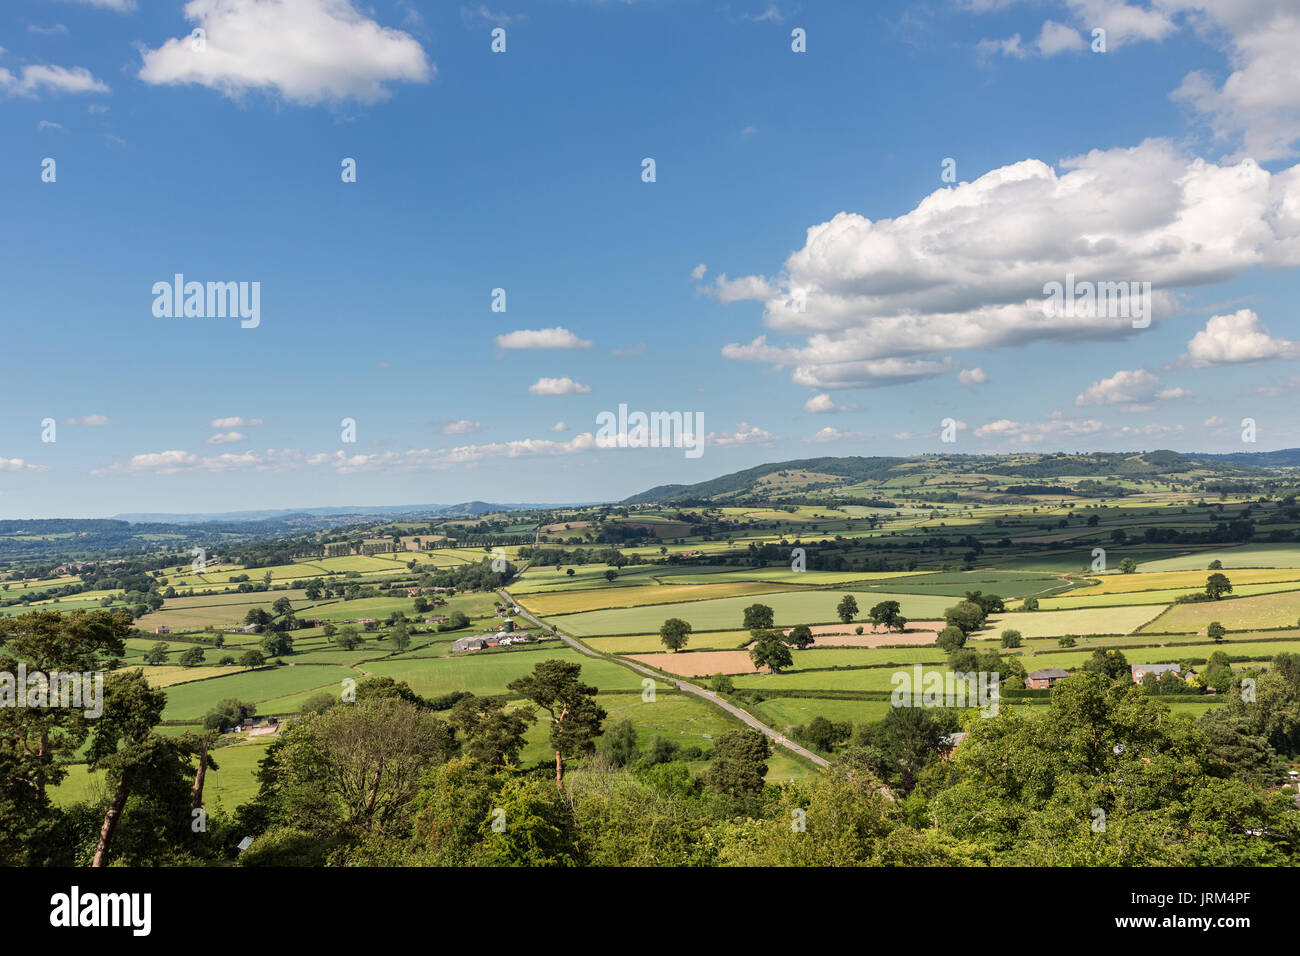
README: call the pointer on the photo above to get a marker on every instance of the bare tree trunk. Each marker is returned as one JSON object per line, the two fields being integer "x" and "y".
{"x": 196, "y": 795}
{"x": 110, "y": 823}
{"x": 559, "y": 771}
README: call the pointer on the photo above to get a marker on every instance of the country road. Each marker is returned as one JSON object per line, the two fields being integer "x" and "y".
{"x": 683, "y": 685}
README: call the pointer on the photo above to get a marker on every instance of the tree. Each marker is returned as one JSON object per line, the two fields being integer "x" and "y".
{"x": 610, "y": 575}
{"x": 401, "y": 635}
{"x": 281, "y": 607}
{"x": 967, "y": 615}
{"x": 120, "y": 745}
{"x": 1011, "y": 638}
{"x": 348, "y": 637}
{"x": 1108, "y": 663}
{"x": 493, "y": 734}
{"x": 759, "y": 617}
{"x": 618, "y": 744}
{"x": 738, "y": 764}
{"x": 769, "y": 650}
{"x": 1215, "y": 565}
{"x": 888, "y": 614}
{"x": 575, "y": 716}
{"x": 1069, "y": 640}
{"x": 674, "y": 633}
{"x": 1217, "y": 585}
{"x": 1216, "y": 631}
{"x": 847, "y": 609}
{"x": 251, "y": 658}
{"x": 157, "y": 654}
{"x": 36, "y": 743}
{"x": 721, "y": 684}
{"x": 1029, "y": 604}
{"x": 569, "y": 572}
{"x": 228, "y": 713}
{"x": 951, "y": 638}
{"x": 801, "y": 636}
{"x": 192, "y": 657}
{"x": 1127, "y": 566}
{"x": 277, "y": 644}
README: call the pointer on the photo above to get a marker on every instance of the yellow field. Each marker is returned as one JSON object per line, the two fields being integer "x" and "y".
{"x": 573, "y": 602}
{"x": 1268, "y": 610}
{"x": 167, "y": 675}
{"x": 1125, "y": 583}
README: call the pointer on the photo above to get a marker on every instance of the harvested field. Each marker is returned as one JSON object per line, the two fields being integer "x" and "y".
{"x": 700, "y": 663}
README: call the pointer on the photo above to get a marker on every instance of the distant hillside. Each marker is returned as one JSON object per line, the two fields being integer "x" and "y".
{"x": 1282, "y": 458}
{"x": 870, "y": 478}
{"x": 464, "y": 509}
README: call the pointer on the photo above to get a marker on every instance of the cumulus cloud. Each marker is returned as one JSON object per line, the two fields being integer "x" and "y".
{"x": 1137, "y": 390}
{"x": 1234, "y": 339}
{"x": 462, "y": 427}
{"x": 1032, "y": 433}
{"x": 820, "y": 404}
{"x": 558, "y": 386}
{"x": 234, "y": 422}
{"x": 225, "y": 438}
{"x": 972, "y": 376}
{"x": 87, "y": 420}
{"x": 828, "y": 434}
{"x": 559, "y": 427}
{"x": 556, "y": 338}
{"x": 966, "y": 268}
{"x": 42, "y": 77}
{"x": 18, "y": 464}
{"x": 698, "y": 272}
{"x": 306, "y": 51}
{"x": 1258, "y": 103}
{"x": 1052, "y": 39}
{"x": 745, "y": 434}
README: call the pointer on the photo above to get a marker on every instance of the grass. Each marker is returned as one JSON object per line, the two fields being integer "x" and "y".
{"x": 1236, "y": 614}
{"x": 263, "y": 687}
{"x": 790, "y": 607}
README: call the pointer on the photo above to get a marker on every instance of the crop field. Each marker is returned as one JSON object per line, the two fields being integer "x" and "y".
{"x": 790, "y": 608}
{"x": 577, "y": 601}
{"x": 1236, "y": 614}
{"x": 1116, "y": 620}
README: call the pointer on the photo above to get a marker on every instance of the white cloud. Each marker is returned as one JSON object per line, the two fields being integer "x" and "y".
{"x": 120, "y": 6}
{"x": 1258, "y": 104}
{"x": 1030, "y": 433}
{"x": 225, "y": 438}
{"x": 745, "y": 434}
{"x": 820, "y": 404}
{"x": 37, "y": 78}
{"x": 972, "y": 376}
{"x": 1057, "y": 38}
{"x": 1237, "y": 338}
{"x": 698, "y": 272}
{"x": 965, "y": 269}
{"x": 829, "y": 434}
{"x": 559, "y": 427}
{"x": 87, "y": 420}
{"x": 1214, "y": 421}
{"x": 18, "y": 464}
{"x": 462, "y": 427}
{"x": 556, "y": 338}
{"x": 1136, "y": 388}
{"x": 558, "y": 386}
{"x": 307, "y": 51}
{"x": 234, "y": 422}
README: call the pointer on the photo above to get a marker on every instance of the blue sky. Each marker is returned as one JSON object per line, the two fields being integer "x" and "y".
{"x": 1168, "y": 158}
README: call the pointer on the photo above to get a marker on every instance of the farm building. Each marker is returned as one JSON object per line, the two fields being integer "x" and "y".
{"x": 1045, "y": 677}
{"x": 162, "y": 629}
{"x": 476, "y": 643}
{"x": 1142, "y": 670}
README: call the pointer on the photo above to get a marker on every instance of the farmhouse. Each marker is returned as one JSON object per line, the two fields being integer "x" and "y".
{"x": 1045, "y": 677}
{"x": 1142, "y": 670}
{"x": 162, "y": 629}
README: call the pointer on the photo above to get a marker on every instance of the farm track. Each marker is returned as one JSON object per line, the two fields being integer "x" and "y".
{"x": 683, "y": 685}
